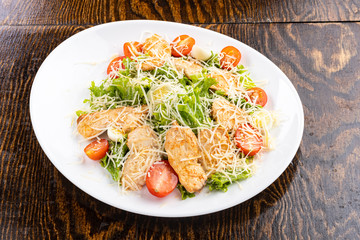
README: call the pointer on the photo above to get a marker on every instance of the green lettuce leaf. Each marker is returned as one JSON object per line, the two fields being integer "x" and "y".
{"x": 220, "y": 181}
{"x": 126, "y": 89}
{"x": 80, "y": 112}
{"x": 191, "y": 106}
{"x": 213, "y": 61}
{"x": 114, "y": 166}
{"x": 119, "y": 89}
{"x": 184, "y": 193}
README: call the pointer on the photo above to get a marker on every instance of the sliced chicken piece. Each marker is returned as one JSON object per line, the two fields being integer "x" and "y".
{"x": 216, "y": 148}
{"x": 125, "y": 118}
{"x": 184, "y": 155}
{"x": 190, "y": 68}
{"x": 158, "y": 49}
{"x": 227, "y": 114}
{"x": 142, "y": 137}
{"x": 144, "y": 151}
{"x": 225, "y": 80}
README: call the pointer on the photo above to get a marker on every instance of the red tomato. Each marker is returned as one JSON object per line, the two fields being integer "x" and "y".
{"x": 182, "y": 45}
{"x": 97, "y": 149}
{"x": 257, "y": 96}
{"x": 132, "y": 49}
{"x": 230, "y": 57}
{"x": 248, "y": 139}
{"x": 114, "y": 66}
{"x": 161, "y": 179}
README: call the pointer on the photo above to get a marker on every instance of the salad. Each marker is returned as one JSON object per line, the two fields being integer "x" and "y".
{"x": 176, "y": 115}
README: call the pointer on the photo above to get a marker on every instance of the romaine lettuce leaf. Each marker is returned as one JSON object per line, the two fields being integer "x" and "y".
{"x": 184, "y": 193}
{"x": 191, "y": 108}
{"x": 114, "y": 166}
{"x": 220, "y": 181}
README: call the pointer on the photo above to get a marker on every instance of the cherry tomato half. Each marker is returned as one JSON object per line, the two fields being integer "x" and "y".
{"x": 132, "y": 49}
{"x": 97, "y": 149}
{"x": 114, "y": 66}
{"x": 230, "y": 57}
{"x": 161, "y": 179}
{"x": 248, "y": 139}
{"x": 182, "y": 45}
{"x": 257, "y": 96}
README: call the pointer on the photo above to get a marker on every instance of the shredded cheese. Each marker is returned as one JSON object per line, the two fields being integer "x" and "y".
{"x": 157, "y": 77}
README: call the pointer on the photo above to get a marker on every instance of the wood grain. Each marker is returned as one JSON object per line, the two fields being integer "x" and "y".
{"x": 40, "y": 12}
{"x": 317, "y": 197}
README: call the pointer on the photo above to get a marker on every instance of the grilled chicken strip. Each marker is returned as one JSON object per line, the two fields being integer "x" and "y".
{"x": 190, "y": 68}
{"x": 183, "y": 155}
{"x": 225, "y": 80}
{"x": 158, "y": 49}
{"x": 126, "y": 118}
{"x": 227, "y": 114}
{"x": 216, "y": 148}
{"x": 144, "y": 151}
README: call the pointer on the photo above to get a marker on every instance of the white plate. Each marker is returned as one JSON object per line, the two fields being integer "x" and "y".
{"x": 61, "y": 85}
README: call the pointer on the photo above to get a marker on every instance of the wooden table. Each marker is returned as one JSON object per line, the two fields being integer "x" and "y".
{"x": 315, "y": 43}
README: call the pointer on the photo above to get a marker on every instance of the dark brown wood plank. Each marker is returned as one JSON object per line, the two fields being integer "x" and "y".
{"x": 19, "y": 12}
{"x": 317, "y": 197}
